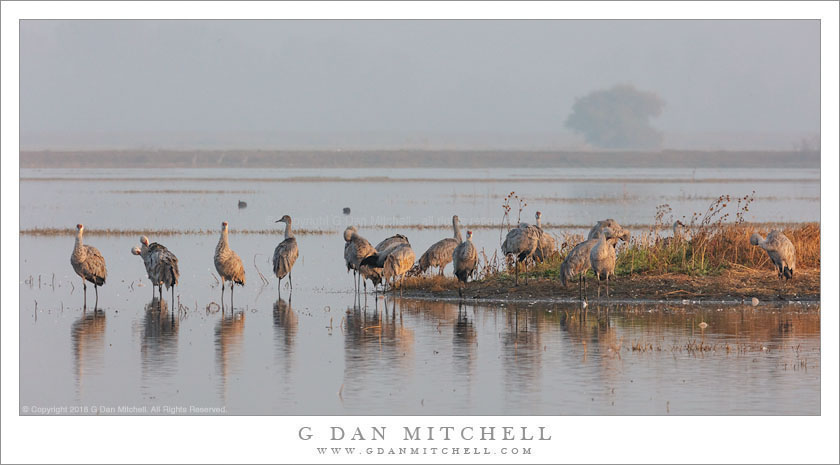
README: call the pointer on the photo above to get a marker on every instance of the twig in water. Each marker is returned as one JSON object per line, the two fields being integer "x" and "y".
{"x": 265, "y": 281}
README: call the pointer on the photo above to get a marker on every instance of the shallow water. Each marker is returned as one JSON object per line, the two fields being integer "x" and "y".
{"x": 320, "y": 353}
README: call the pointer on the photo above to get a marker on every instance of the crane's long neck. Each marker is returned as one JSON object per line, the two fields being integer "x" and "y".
{"x": 456, "y": 227}
{"x": 79, "y": 242}
{"x": 223, "y": 240}
{"x": 289, "y": 230}
{"x": 539, "y": 222}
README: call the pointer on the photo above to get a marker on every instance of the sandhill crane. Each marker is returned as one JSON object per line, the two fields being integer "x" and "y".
{"x": 356, "y": 249}
{"x": 781, "y": 251}
{"x": 547, "y": 245}
{"x": 400, "y": 259}
{"x": 382, "y": 264}
{"x": 577, "y": 264}
{"x": 285, "y": 254}
{"x": 608, "y": 223}
{"x": 602, "y": 256}
{"x": 228, "y": 264}
{"x": 440, "y": 253}
{"x": 464, "y": 259}
{"x": 161, "y": 266}
{"x": 88, "y": 263}
{"x": 242, "y": 204}
{"x": 681, "y": 234}
{"x": 521, "y": 242}
{"x": 391, "y": 242}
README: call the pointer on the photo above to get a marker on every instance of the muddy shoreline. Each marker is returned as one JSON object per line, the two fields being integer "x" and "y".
{"x": 730, "y": 287}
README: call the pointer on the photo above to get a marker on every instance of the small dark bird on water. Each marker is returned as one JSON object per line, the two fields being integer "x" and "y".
{"x": 346, "y": 210}
{"x": 242, "y": 204}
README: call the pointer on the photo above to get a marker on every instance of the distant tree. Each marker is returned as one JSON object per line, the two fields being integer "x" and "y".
{"x": 617, "y": 118}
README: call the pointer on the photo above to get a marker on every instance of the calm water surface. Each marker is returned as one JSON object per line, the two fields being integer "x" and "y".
{"x": 313, "y": 350}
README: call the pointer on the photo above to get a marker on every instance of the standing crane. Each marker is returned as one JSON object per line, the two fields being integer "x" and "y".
{"x": 285, "y": 254}
{"x": 521, "y": 243}
{"x": 391, "y": 259}
{"x": 89, "y": 264}
{"x": 464, "y": 259}
{"x": 781, "y": 252}
{"x": 576, "y": 265}
{"x": 440, "y": 253}
{"x": 356, "y": 249}
{"x": 161, "y": 266}
{"x": 400, "y": 259}
{"x": 228, "y": 264}
{"x": 602, "y": 256}
{"x": 547, "y": 245}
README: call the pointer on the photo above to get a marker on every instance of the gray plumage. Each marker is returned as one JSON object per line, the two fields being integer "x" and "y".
{"x": 399, "y": 260}
{"x": 376, "y": 266}
{"x": 228, "y": 264}
{"x": 681, "y": 234}
{"x": 440, "y": 253}
{"x": 576, "y": 262}
{"x": 521, "y": 242}
{"x": 464, "y": 258}
{"x": 547, "y": 245}
{"x": 608, "y": 223}
{"x": 781, "y": 251}
{"x": 602, "y": 256}
{"x": 163, "y": 264}
{"x": 286, "y": 252}
{"x": 356, "y": 249}
{"x": 391, "y": 242}
{"x": 88, "y": 263}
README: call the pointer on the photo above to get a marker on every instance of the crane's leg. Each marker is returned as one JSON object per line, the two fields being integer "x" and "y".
{"x": 278, "y": 286}
{"x": 231, "y": 295}
{"x": 96, "y": 302}
{"x": 84, "y": 288}
{"x": 223, "y": 293}
{"x": 585, "y": 297}
{"x": 173, "y": 296}
{"x": 599, "y": 287}
{"x": 516, "y": 273}
{"x": 290, "y": 280}
{"x": 580, "y": 287}
{"x": 608, "y": 287}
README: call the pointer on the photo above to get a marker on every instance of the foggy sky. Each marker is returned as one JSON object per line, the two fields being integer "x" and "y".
{"x": 270, "y": 84}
